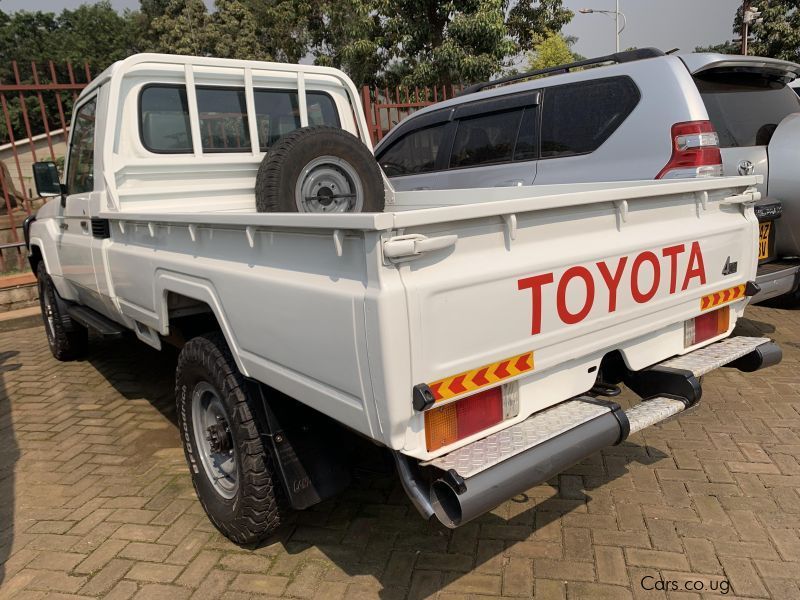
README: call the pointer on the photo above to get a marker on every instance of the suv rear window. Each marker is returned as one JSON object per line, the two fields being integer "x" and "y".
{"x": 485, "y": 139}
{"x": 578, "y": 117}
{"x": 745, "y": 110}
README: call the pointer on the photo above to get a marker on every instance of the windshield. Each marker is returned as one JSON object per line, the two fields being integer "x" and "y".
{"x": 745, "y": 109}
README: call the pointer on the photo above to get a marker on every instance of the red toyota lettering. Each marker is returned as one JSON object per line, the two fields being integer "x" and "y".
{"x": 642, "y": 290}
{"x": 561, "y": 299}
{"x": 612, "y": 281}
{"x": 637, "y": 294}
{"x": 535, "y": 284}
{"x": 696, "y": 267}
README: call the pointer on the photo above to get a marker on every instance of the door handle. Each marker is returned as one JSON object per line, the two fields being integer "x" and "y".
{"x": 85, "y": 226}
{"x": 408, "y": 247}
{"x": 510, "y": 183}
{"x": 64, "y": 226}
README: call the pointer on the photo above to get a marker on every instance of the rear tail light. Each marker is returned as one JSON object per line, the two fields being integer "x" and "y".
{"x": 706, "y": 326}
{"x": 458, "y": 420}
{"x": 695, "y": 152}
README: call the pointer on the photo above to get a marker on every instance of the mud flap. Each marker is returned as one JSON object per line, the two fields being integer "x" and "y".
{"x": 310, "y": 461}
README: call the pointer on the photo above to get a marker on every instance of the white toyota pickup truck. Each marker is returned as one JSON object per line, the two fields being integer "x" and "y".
{"x": 233, "y": 209}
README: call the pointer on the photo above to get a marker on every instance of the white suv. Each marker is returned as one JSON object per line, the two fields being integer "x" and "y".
{"x": 633, "y": 115}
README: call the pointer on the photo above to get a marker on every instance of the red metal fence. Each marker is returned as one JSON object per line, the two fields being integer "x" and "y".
{"x": 35, "y": 102}
{"x": 35, "y": 105}
{"x": 385, "y": 108}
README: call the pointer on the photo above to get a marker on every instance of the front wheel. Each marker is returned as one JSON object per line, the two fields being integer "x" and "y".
{"x": 233, "y": 474}
{"x": 67, "y": 339}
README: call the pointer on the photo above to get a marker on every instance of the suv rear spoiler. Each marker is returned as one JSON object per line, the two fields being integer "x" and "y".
{"x": 699, "y": 62}
{"x": 617, "y": 57}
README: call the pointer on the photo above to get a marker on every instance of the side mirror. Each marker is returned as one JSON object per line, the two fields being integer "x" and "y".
{"x": 45, "y": 176}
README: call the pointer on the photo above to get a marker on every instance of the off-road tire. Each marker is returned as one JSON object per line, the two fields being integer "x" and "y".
{"x": 259, "y": 505}
{"x": 68, "y": 340}
{"x": 277, "y": 177}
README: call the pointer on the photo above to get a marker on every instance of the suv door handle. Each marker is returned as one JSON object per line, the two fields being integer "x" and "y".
{"x": 408, "y": 247}
{"x": 510, "y": 183}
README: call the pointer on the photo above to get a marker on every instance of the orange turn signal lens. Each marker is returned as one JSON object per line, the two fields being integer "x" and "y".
{"x": 461, "y": 419}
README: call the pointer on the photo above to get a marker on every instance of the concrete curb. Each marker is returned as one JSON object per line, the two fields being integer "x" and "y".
{"x": 20, "y": 319}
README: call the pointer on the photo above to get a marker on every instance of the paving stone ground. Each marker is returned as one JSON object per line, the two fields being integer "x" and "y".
{"x": 96, "y": 501}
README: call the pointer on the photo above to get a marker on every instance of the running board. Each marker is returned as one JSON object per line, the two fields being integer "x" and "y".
{"x": 94, "y": 320}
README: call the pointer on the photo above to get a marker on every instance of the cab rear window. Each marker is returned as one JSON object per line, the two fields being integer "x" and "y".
{"x": 745, "y": 110}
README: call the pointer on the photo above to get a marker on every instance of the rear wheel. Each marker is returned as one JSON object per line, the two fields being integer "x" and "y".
{"x": 233, "y": 474}
{"x": 67, "y": 339}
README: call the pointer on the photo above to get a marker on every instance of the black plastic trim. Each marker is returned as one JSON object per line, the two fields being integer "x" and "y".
{"x": 763, "y": 356}
{"x": 26, "y": 229}
{"x": 422, "y": 397}
{"x": 751, "y": 288}
{"x": 665, "y": 381}
{"x": 101, "y": 228}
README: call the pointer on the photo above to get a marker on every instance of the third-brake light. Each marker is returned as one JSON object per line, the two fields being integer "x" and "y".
{"x": 695, "y": 152}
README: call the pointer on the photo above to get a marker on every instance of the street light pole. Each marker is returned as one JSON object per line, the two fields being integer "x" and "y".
{"x": 617, "y": 14}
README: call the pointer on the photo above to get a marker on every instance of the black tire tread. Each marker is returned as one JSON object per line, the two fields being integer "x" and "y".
{"x": 71, "y": 340}
{"x": 262, "y": 499}
{"x": 270, "y": 189}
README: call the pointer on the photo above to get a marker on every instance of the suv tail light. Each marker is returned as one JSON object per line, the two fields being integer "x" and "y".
{"x": 695, "y": 152}
{"x": 706, "y": 326}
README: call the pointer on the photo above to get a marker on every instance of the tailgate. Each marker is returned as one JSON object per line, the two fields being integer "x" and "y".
{"x": 544, "y": 294}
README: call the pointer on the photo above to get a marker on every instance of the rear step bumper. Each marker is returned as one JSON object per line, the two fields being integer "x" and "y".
{"x": 476, "y": 478}
{"x": 776, "y": 278}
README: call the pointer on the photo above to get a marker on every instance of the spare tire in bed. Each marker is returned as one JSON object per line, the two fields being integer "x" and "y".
{"x": 319, "y": 169}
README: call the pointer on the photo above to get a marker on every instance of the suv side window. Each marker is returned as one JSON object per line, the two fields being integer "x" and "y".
{"x": 80, "y": 172}
{"x": 485, "y": 139}
{"x": 415, "y": 152}
{"x": 578, "y": 117}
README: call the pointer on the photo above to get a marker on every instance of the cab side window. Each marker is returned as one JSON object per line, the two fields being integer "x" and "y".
{"x": 80, "y": 172}
{"x": 278, "y": 113}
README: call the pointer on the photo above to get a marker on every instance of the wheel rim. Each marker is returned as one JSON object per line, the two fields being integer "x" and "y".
{"x": 214, "y": 441}
{"x": 47, "y": 312}
{"x": 329, "y": 184}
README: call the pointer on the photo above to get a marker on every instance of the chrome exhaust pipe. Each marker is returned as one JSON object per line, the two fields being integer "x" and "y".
{"x": 457, "y": 502}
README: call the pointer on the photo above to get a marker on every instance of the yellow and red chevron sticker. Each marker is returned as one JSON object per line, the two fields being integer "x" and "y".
{"x": 723, "y": 297}
{"x": 485, "y": 376}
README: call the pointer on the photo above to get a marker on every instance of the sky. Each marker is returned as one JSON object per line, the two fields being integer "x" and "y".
{"x": 665, "y": 24}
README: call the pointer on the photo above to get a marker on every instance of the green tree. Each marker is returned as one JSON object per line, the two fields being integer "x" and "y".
{"x": 552, "y": 51}
{"x": 429, "y": 42}
{"x": 183, "y": 28}
{"x": 778, "y": 36}
{"x": 233, "y": 32}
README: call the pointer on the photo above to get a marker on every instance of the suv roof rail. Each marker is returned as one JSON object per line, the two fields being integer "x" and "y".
{"x": 617, "y": 57}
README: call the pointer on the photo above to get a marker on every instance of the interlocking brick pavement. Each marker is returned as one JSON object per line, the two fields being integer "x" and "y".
{"x": 95, "y": 500}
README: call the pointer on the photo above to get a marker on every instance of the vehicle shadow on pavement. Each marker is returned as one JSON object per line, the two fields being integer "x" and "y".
{"x": 9, "y": 455}
{"x": 371, "y": 534}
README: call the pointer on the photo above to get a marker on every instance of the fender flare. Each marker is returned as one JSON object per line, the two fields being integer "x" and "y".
{"x": 198, "y": 289}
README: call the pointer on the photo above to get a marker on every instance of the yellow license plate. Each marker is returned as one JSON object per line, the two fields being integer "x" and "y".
{"x": 763, "y": 239}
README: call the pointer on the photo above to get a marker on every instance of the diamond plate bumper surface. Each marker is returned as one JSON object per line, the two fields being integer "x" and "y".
{"x": 705, "y": 360}
{"x": 551, "y": 422}
{"x": 540, "y": 427}
{"x": 652, "y": 411}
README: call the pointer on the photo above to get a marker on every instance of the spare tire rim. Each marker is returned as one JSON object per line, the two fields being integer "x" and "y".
{"x": 329, "y": 184}
{"x": 214, "y": 440}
